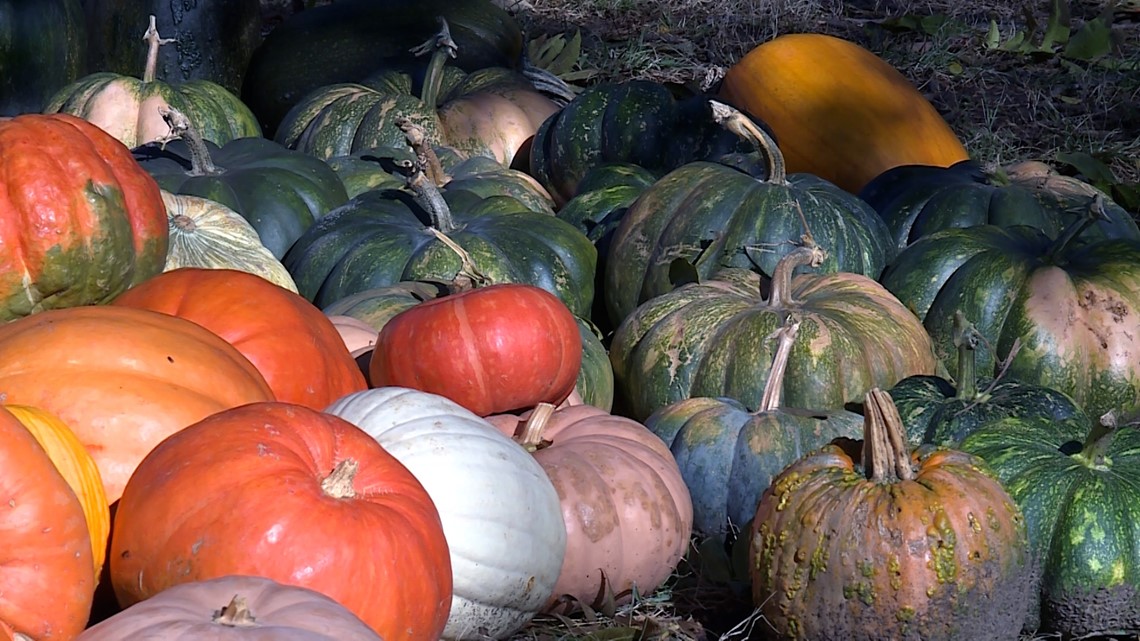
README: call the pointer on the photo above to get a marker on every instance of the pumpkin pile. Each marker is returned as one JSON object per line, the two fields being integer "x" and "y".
{"x": 385, "y": 332}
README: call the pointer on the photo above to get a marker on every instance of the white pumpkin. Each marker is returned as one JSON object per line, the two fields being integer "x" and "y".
{"x": 500, "y": 512}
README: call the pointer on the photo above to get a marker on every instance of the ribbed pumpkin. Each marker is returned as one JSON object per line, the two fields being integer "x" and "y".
{"x": 133, "y": 377}
{"x": 713, "y": 216}
{"x": 706, "y": 339}
{"x": 839, "y": 111}
{"x": 75, "y": 464}
{"x": 293, "y": 345}
{"x": 294, "y": 495}
{"x": 130, "y": 109}
{"x": 80, "y": 222}
{"x": 867, "y": 540}
{"x": 47, "y": 575}
{"x": 44, "y": 48}
{"x": 205, "y": 233}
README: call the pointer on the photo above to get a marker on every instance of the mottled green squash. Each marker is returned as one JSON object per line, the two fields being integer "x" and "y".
{"x": 43, "y": 47}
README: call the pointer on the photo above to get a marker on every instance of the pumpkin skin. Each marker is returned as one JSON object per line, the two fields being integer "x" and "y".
{"x": 80, "y": 223}
{"x": 276, "y": 612}
{"x": 888, "y": 544}
{"x": 147, "y": 376}
{"x": 47, "y": 575}
{"x": 821, "y": 92}
{"x": 75, "y": 464}
{"x": 499, "y": 510}
{"x": 492, "y": 349}
{"x": 293, "y": 345}
{"x": 44, "y": 48}
{"x": 294, "y": 495}
{"x": 627, "y": 511}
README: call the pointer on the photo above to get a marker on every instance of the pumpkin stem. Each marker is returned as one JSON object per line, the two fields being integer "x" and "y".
{"x": 153, "y": 42}
{"x": 441, "y": 47}
{"x": 182, "y": 222}
{"x": 427, "y": 195}
{"x": 885, "y": 455}
{"x": 774, "y": 388}
{"x": 731, "y": 119}
{"x": 469, "y": 276}
{"x": 966, "y": 339}
{"x": 1096, "y": 212}
{"x": 425, "y": 153}
{"x": 531, "y": 437}
{"x": 1094, "y": 453}
{"x": 236, "y": 614}
{"x": 808, "y": 254}
{"x": 201, "y": 164}
{"x": 338, "y": 484}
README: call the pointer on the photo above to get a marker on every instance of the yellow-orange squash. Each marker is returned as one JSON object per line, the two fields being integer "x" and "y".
{"x": 839, "y": 111}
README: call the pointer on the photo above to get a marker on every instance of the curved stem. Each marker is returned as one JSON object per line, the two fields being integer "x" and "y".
{"x": 153, "y": 42}
{"x": 886, "y": 457}
{"x": 425, "y": 154}
{"x": 774, "y": 388}
{"x": 441, "y": 47}
{"x": 808, "y": 254}
{"x": 236, "y": 614}
{"x": 430, "y": 198}
{"x": 731, "y": 119}
{"x": 966, "y": 339}
{"x": 200, "y": 162}
{"x": 1095, "y": 213}
{"x": 531, "y": 437}
{"x": 469, "y": 276}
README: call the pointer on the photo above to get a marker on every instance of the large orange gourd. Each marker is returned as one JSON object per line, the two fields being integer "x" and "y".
{"x": 839, "y": 111}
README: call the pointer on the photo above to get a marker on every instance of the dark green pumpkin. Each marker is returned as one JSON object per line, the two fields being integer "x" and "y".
{"x": 1074, "y": 308}
{"x": 279, "y": 191}
{"x": 937, "y": 411}
{"x": 43, "y": 47}
{"x": 1078, "y": 485}
{"x": 712, "y": 216}
{"x": 916, "y": 200}
{"x": 708, "y": 339}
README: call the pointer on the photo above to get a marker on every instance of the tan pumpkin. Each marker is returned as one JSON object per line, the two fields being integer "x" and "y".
{"x": 359, "y": 337}
{"x": 839, "y": 111}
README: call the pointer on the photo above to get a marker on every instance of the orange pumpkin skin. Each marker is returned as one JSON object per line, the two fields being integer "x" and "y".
{"x": 491, "y": 349}
{"x": 294, "y": 346}
{"x": 839, "y": 111}
{"x": 80, "y": 221}
{"x": 241, "y": 492}
{"x": 123, "y": 379}
{"x": 47, "y": 575}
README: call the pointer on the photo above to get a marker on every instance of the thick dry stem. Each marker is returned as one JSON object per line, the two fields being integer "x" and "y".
{"x": 181, "y": 128}
{"x": 338, "y": 484}
{"x": 774, "y": 388}
{"x": 535, "y": 426}
{"x": 731, "y": 119}
{"x": 469, "y": 276}
{"x": 808, "y": 254}
{"x": 425, "y": 153}
{"x": 236, "y": 614}
{"x": 153, "y": 42}
{"x": 886, "y": 457}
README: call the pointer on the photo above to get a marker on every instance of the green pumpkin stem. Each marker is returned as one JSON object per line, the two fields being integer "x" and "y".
{"x": 886, "y": 458}
{"x": 1094, "y": 453}
{"x": 535, "y": 426}
{"x": 1095, "y": 213}
{"x": 731, "y": 119}
{"x": 236, "y": 614}
{"x": 774, "y": 387}
{"x": 200, "y": 162}
{"x": 808, "y": 254}
{"x": 442, "y": 48}
{"x": 966, "y": 339}
{"x": 153, "y": 42}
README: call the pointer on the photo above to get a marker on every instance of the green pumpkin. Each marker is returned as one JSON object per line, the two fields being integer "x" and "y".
{"x": 707, "y": 339}
{"x": 1078, "y": 484}
{"x": 1073, "y": 308}
{"x": 712, "y": 216}
{"x": 371, "y": 168}
{"x": 43, "y": 47}
{"x": 936, "y": 411}
{"x": 916, "y": 200}
{"x": 279, "y": 191}
{"x": 728, "y": 455}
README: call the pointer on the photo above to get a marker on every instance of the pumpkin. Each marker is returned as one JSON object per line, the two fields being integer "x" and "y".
{"x": 359, "y": 337}
{"x": 293, "y": 345}
{"x": 713, "y": 216}
{"x": 916, "y": 200}
{"x": 868, "y": 540}
{"x": 294, "y": 495}
{"x": 627, "y": 511}
{"x": 491, "y": 350}
{"x": 706, "y": 339}
{"x": 839, "y": 111}
{"x": 728, "y": 455}
{"x": 47, "y": 575}
{"x": 75, "y": 464}
{"x": 936, "y": 411}
{"x": 131, "y": 109}
{"x": 133, "y": 377}
{"x": 205, "y": 233}
{"x": 378, "y": 305}
{"x": 43, "y": 49}
{"x": 230, "y": 607}
{"x": 1076, "y": 482}
{"x": 80, "y": 222}
{"x": 499, "y": 510}
{"x": 1073, "y": 308}
{"x": 279, "y": 191}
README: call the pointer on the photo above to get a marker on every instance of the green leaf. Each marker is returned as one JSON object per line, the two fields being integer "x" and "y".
{"x": 568, "y": 56}
{"x": 1089, "y": 166}
{"x": 1091, "y": 41}
{"x": 955, "y": 68}
{"x": 1057, "y": 29}
{"x": 993, "y": 36}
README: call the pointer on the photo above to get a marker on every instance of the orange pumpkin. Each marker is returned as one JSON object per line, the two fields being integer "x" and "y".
{"x": 839, "y": 111}
{"x": 123, "y": 379}
{"x": 77, "y": 467}
{"x": 294, "y": 346}
{"x": 47, "y": 576}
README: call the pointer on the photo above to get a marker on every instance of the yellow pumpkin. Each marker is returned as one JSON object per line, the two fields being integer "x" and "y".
{"x": 839, "y": 111}
{"x": 76, "y": 467}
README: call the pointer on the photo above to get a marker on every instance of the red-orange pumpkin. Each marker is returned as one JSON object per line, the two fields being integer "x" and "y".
{"x": 294, "y": 495}
{"x": 123, "y": 379}
{"x": 294, "y": 346}
{"x": 47, "y": 575}
{"x": 491, "y": 349}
